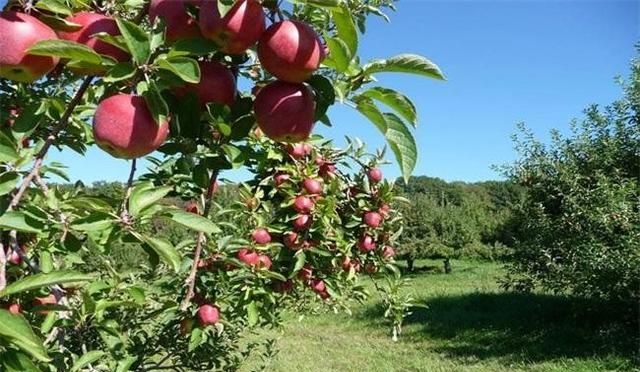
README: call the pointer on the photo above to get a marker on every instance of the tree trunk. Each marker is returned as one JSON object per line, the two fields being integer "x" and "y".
{"x": 410, "y": 264}
{"x": 447, "y": 266}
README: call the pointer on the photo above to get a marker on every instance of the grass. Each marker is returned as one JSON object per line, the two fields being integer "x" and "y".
{"x": 470, "y": 325}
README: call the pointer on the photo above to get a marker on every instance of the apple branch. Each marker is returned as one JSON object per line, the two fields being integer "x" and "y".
{"x": 64, "y": 119}
{"x": 191, "y": 279}
{"x": 124, "y": 213}
{"x": 3, "y": 268}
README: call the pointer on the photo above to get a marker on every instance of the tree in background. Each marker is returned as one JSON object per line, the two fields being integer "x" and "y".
{"x": 579, "y": 226}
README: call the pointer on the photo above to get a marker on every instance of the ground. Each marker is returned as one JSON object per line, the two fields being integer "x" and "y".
{"x": 470, "y": 325}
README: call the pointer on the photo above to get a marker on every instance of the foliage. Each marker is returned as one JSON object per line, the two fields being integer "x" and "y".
{"x": 579, "y": 228}
{"x": 117, "y": 277}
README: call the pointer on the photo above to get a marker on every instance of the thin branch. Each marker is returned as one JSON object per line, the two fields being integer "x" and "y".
{"x": 124, "y": 213}
{"x": 35, "y": 170}
{"x": 3, "y": 267}
{"x": 191, "y": 279}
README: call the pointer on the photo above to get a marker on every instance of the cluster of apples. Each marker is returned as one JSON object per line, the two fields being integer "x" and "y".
{"x": 123, "y": 125}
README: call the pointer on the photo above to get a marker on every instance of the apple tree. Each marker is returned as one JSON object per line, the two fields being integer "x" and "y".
{"x": 199, "y": 88}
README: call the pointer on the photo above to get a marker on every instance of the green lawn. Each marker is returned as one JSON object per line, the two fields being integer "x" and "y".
{"x": 470, "y": 325}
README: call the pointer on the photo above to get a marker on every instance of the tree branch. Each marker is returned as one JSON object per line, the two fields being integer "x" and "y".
{"x": 3, "y": 268}
{"x": 124, "y": 213}
{"x": 191, "y": 279}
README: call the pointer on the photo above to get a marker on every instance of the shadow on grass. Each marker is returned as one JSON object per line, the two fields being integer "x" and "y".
{"x": 523, "y": 327}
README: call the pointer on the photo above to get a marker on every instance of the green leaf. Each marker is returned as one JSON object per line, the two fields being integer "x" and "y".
{"x": 65, "y": 49}
{"x": 192, "y": 221}
{"x": 396, "y": 133}
{"x": 327, "y": 4}
{"x": 54, "y": 6}
{"x": 301, "y": 259}
{"x": 121, "y": 71}
{"x": 40, "y": 280}
{"x": 185, "y": 68}
{"x": 144, "y": 195}
{"x": 396, "y": 101}
{"x": 8, "y": 153}
{"x": 164, "y": 249}
{"x": 325, "y": 94}
{"x": 15, "y": 361}
{"x": 236, "y": 156}
{"x": 8, "y": 181}
{"x": 16, "y": 330}
{"x": 339, "y": 54}
{"x": 19, "y": 221}
{"x": 58, "y": 24}
{"x": 157, "y": 105}
{"x": 87, "y": 359}
{"x": 125, "y": 364}
{"x": 347, "y": 31}
{"x": 136, "y": 39}
{"x": 192, "y": 47}
{"x": 407, "y": 63}
{"x": 252, "y": 313}
{"x": 96, "y": 221}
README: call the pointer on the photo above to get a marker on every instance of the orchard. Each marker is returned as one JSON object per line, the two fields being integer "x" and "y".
{"x": 199, "y": 88}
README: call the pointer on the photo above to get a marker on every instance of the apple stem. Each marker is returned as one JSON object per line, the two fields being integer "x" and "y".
{"x": 191, "y": 279}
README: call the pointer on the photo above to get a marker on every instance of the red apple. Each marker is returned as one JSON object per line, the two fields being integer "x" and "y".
{"x": 93, "y": 23}
{"x": 217, "y": 85}
{"x": 306, "y": 273}
{"x": 374, "y": 175}
{"x": 180, "y": 25}
{"x": 366, "y": 243}
{"x": 312, "y": 186}
{"x": 318, "y": 286}
{"x": 264, "y": 262}
{"x": 346, "y": 263}
{"x": 280, "y": 178}
{"x": 19, "y": 32}
{"x": 388, "y": 252}
{"x": 13, "y": 257}
{"x": 192, "y": 207}
{"x": 291, "y": 51}
{"x": 327, "y": 170}
{"x": 208, "y": 315}
{"x": 290, "y": 240}
{"x": 15, "y": 308}
{"x": 372, "y": 219}
{"x": 261, "y": 236}
{"x": 384, "y": 210}
{"x": 303, "y": 204}
{"x": 285, "y": 112}
{"x": 237, "y": 30}
{"x": 248, "y": 257}
{"x": 299, "y": 150}
{"x": 123, "y": 127}
{"x": 302, "y": 222}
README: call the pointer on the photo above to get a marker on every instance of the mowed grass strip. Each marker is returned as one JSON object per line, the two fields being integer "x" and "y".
{"x": 470, "y": 324}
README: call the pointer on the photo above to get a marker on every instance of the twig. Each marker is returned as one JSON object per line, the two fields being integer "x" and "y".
{"x": 35, "y": 170}
{"x": 124, "y": 213}
{"x": 3, "y": 267}
{"x": 191, "y": 279}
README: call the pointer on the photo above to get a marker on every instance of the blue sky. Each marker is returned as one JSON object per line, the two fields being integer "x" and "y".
{"x": 541, "y": 62}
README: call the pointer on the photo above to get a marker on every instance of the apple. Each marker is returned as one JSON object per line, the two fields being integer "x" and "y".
{"x": 384, "y": 210}
{"x": 388, "y": 252}
{"x": 264, "y": 262}
{"x": 306, "y": 273}
{"x": 318, "y": 286}
{"x": 372, "y": 219}
{"x": 192, "y": 207}
{"x": 186, "y": 325}
{"x": 327, "y": 170}
{"x": 43, "y": 301}
{"x": 290, "y": 51}
{"x": 285, "y": 112}
{"x": 93, "y": 23}
{"x": 19, "y": 32}
{"x": 303, "y": 204}
{"x": 374, "y": 175}
{"x": 217, "y": 85}
{"x": 290, "y": 240}
{"x": 180, "y": 25}
{"x": 366, "y": 243}
{"x": 208, "y": 315}
{"x": 302, "y": 222}
{"x": 248, "y": 257}
{"x": 124, "y": 127}
{"x": 15, "y": 308}
{"x": 237, "y": 30}
{"x": 346, "y": 263}
{"x": 280, "y": 178}
{"x": 261, "y": 236}
{"x": 13, "y": 257}
{"x": 299, "y": 150}
{"x": 312, "y": 186}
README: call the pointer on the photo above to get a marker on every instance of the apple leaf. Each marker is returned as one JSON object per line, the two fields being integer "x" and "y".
{"x": 339, "y": 54}
{"x": 192, "y": 47}
{"x": 58, "y": 24}
{"x": 347, "y": 31}
{"x": 407, "y": 63}
{"x": 144, "y": 195}
{"x": 136, "y": 39}
{"x": 8, "y": 181}
{"x": 16, "y": 330}
{"x": 121, "y": 71}
{"x": 163, "y": 248}
{"x": 400, "y": 103}
{"x": 19, "y": 221}
{"x": 65, "y": 49}
{"x": 125, "y": 364}
{"x": 327, "y": 4}
{"x": 185, "y": 68}
{"x": 157, "y": 105}
{"x": 252, "y": 313}
{"x": 8, "y": 152}
{"x": 96, "y": 221}
{"x": 87, "y": 359}
{"x": 396, "y": 133}
{"x": 54, "y": 6}
{"x": 192, "y": 221}
{"x": 16, "y": 361}
{"x": 40, "y": 280}
{"x": 325, "y": 94}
